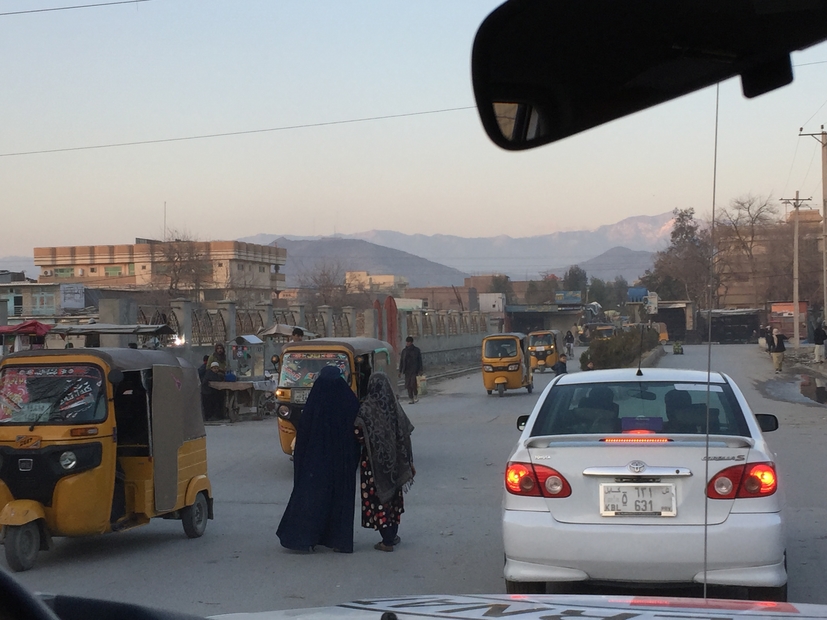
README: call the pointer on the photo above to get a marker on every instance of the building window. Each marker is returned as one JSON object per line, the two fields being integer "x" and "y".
{"x": 240, "y": 267}
{"x": 64, "y": 272}
{"x": 113, "y": 271}
{"x": 261, "y": 268}
{"x": 220, "y": 264}
{"x": 130, "y": 269}
{"x": 93, "y": 269}
{"x": 143, "y": 267}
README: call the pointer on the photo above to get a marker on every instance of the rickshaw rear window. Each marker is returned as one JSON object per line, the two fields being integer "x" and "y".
{"x": 300, "y": 368}
{"x": 72, "y": 394}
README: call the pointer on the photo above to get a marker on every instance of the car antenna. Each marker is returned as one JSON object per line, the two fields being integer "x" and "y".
{"x": 639, "y": 372}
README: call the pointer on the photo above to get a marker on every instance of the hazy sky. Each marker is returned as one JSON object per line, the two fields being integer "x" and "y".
{"x": 173, "y": 68}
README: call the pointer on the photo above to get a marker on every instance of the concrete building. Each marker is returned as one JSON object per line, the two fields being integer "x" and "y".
{"x": 36, "y": 300}
{"x": 201, "y": 270}
{"x": 388, "y": 284}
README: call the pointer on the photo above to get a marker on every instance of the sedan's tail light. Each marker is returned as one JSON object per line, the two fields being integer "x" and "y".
{"x": 535, "y": 481}
{"x": 747, "y": 480}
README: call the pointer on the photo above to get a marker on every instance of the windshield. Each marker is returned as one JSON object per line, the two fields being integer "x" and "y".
{"x": 501, "y": 347}
{"x": 540, "y": 340}
{"x": 300, "y": 369}
{"x": 640, "y": 407}
{"x": 51, "y": 395}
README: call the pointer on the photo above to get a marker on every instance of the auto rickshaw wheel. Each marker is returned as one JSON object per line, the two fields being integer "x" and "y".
{"x": 530, "y": 387}
{"x": 501, "y": 389}
{"x": 22, "y": 544}
{"x": 194, "y": 518}
{"x": 489, "y": 392}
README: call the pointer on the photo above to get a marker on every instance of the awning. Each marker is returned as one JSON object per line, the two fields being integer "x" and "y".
{"x": 110, "y": 328}
{"x": 280, "y": 329}
{"x": 26, "y": 328}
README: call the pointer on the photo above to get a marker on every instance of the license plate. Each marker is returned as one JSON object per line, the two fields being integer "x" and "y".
{"x": 299, "y": 396}
{"x": 630, "y": 499}
{"x": 540, "y": 349}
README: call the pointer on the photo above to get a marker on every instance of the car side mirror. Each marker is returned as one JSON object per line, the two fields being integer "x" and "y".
{"x": 767, "y": 422}
{"x": 274, "y": 360}
{"x": 521, "y": 422}
{"x": 115, "y": 376}
{"x": 543, "y": 71}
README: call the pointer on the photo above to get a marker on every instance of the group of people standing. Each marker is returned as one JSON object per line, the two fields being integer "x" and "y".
{"x": 776, "y": 348}
{"x": 336, "y": 435}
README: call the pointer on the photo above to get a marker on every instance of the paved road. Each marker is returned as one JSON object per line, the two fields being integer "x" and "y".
{"x": 450, "y": 532}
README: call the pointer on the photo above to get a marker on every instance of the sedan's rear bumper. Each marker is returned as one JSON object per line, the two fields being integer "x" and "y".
{"x": 744, "y": 550}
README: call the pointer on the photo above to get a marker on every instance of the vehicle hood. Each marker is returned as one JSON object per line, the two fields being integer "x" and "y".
{"x": 539, "y": 607}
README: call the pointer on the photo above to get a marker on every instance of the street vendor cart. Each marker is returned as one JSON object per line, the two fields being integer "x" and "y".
{"x": 252, "y": 396}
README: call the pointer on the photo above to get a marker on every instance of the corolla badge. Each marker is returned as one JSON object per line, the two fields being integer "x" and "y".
{"x": 636, "y": 467}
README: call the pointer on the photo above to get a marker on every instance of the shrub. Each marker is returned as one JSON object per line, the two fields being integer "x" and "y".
{"x": 621, "y": 350}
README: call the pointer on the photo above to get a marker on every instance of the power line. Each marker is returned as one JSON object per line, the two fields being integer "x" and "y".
{"x": 68, "y": 8}
{"x": 236, "y": 133}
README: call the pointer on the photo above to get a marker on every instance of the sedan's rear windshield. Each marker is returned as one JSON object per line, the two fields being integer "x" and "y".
{"x": 640, "y": 407}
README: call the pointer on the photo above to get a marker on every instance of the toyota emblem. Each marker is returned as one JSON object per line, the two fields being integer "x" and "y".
{"x": 636, "y": 467}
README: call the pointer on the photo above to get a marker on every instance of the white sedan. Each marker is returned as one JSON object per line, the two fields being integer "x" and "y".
{"x": 613, "y": 480}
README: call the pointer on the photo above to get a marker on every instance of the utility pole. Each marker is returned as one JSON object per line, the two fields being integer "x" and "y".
{"x": 796, "y": 204}
{"x": 822, "y": 139}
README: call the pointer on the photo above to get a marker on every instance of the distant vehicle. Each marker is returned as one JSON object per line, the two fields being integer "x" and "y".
{"x": 607, "y": 483}
{"x": 505, "y": 364}
{"x": 544, "y": 348}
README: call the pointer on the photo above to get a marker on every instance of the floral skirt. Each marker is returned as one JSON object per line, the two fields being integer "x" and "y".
{"x": 376, "y": 515}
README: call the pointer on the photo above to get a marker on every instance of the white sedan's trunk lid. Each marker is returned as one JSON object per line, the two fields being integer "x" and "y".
{"x": 638, "y": 483}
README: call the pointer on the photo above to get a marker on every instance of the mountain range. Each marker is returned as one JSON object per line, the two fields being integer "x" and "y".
{"x": 625, "y": 248}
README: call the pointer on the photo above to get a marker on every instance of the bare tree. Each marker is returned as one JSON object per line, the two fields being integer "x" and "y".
{"x": 184, "y": 263}
{"x": 741, "y": 234}
{"x": 324, "y": 283}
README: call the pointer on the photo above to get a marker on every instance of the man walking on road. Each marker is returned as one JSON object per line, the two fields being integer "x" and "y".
{"x": 775, "y": 345}
{"x": 410, "y": 365}
{"x": 819, "y": 337}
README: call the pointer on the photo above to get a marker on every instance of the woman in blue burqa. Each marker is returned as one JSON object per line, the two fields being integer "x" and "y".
{"x": 321, "y": 507}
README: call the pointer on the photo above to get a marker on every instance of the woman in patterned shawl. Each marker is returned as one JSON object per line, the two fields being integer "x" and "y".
{"x": 387, "y": 460}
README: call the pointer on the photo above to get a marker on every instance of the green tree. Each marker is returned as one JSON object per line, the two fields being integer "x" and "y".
{"x": 575, "y": 279}
{"x": 619, "y": 289}
{"x": 600, "y": 292}
{"x": 502, "y": 284}
{"x": 682, "y": 271}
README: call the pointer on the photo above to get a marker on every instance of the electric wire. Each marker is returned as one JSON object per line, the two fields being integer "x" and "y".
{"x": 238, "y": 133}
{"x": 68, "y": 8}
{"x": 814, "y": 113}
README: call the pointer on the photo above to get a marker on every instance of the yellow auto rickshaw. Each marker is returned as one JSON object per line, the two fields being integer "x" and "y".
{"x": 95, "y": 441}
{"x": 543, "y": 351}
{"x": 301, "y": 362}
{"x": 505, "y": 364}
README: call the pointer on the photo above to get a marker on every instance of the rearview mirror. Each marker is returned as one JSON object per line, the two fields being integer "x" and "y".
{"x": 767, "y": 422}
{"x": 521, "y": 422}
{"x": 544, "y": 70}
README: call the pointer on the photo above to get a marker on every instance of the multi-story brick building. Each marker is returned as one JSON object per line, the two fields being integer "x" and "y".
{"x": 201, "y": 270}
